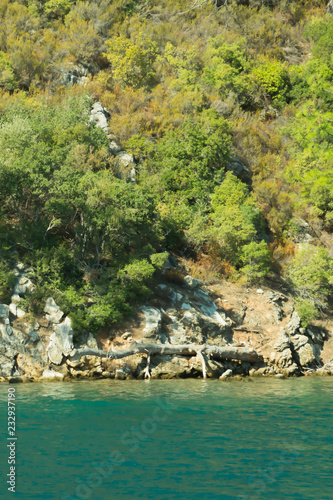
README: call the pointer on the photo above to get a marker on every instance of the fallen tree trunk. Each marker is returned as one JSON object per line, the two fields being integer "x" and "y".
{"x": 211, "y": 351}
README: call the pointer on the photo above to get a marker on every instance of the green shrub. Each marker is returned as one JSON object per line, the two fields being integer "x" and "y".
{"x": 255, "y": 258}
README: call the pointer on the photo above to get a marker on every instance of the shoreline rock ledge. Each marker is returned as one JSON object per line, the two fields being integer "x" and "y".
{"x": 186, "y": 330}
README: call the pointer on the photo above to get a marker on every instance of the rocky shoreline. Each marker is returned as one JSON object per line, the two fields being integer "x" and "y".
{"x": 186, "y": 330}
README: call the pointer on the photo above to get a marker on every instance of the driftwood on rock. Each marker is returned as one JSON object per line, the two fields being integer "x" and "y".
{"x": 210, "y": 351}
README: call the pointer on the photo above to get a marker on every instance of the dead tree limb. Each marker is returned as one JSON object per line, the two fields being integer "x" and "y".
{"x": 211, "y": 351}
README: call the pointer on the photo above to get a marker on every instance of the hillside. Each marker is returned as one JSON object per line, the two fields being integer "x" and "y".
{"x": 132, "y": 133}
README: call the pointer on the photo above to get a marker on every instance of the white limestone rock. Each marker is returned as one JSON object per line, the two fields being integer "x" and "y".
{"x": 153, "y": 318}
{"x": 4, "y": 311}
{"x": 53, "y": 312}
{"x": 52, "y": 375}
{"x": 192, "y": 282}
{"x": 99, "y": 116}
{"x": 61, "y": 342}
{"x": 294, "y": 324}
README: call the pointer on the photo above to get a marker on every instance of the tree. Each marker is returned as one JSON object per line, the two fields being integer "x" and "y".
{"x": 132, "y": 61}
{"x": 311, "y": 275}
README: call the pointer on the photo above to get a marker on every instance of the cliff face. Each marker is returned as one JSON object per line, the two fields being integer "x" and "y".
{"x": 184, "y": 313}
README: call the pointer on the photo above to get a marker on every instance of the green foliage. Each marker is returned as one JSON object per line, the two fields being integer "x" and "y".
{"x": 255, "y": 258}
{"x": 320, "y": 30}
{"x": 235, "y": 218}
{"x": 132, "y": 62}
{"x": 57, "y": 8}
{"x": 7, "y": 75}
{"x": 273, "y": 78}
{"x": 306, "y": 310}
{"x": 311, "y": 275}
{"x": 7, "y": 281}
{"x": 191, "y": 160}
{"x": 187, "y": 89}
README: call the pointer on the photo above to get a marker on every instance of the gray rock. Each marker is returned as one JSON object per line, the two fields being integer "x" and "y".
{"x": 211, "y": 312}
{"x": 329, "y": 8}
{"x": 52, "y": 375}
{"x": 23, "y": 286}
{"x": 306, "y": 355}
{"x": 302, "y": 232}
{"x": 181, "y": 332}
{"x": 4, "y": 311}
{"x": 238, "y": 167}
{"x": 6, "y": 366}
{"x": 15, "y": 299}
{"x": 126, "y": 166}
{"x": 170, "y": 367}
{"x": 317, "y": 337}
{"x": 13, "y": 309}
{"x": 20, "y": 313}
{"x": 153, "y": 319}
{"x": 192, "y": 282}
{"x": 91, "y": 342}
{"x": 99, "y": 116}
{"x": 299, "y": 341}
{"x": 185, "y": 306}
{"x": 123, "y": 372}
{"x": 126, "y": 335}
{"x": 294, "y": 324}
{"x": 33, "y": 335}
{"x": 114, "y": 148}
{"x": 292, "y": 370}
{"x": 283, "y": 342}
{"x": 226, "y": 374}
{"x": 61, "y": 342}
{"x": 53, "y": 312}
{"x": 282, "y": 359}
{"x": 6, "y": 332}
{"x": 260, "y": 291}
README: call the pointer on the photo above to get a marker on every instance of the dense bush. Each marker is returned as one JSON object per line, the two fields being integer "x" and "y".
{"x": 230, "y": 124}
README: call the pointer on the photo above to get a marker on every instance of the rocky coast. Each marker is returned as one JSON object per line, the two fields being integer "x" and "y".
{"x": 186, "y": 330}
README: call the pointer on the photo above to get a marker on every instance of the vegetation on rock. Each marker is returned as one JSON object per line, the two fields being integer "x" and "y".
{"x": 190, "y": 88}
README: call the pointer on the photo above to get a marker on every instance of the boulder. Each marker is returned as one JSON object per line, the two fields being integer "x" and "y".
{"x": 226, "y": 374}
{"x": 123, "y": 372}
{"x": 53, "y": 312}
{"x": 19, "y": 312}
{"x": 306, "y": 355}
{"x": 51, "y": 375}
{"x": 329, "y": 8}
{"x": 170, "y": 367}
{"x": 24, "y": 285}
{"x": 99, "y": 116}
{"x": 283, "y": 342}
{"x": 114, "y": 148}
{"x": 4, "y": 311}
{"x": 61, "y": 342}
{"x": 153, "y": 322}
{"x": 6, "y": 366}
{"x": 282, "y": 359}
{"x": 6, "y": 332}
{"x": 299, "y": 341}
{"x": 126, "y": 166}
{"x": 236, "y": 166}
{"x": 294, "y": 324}
{"x": 192, "y": 282}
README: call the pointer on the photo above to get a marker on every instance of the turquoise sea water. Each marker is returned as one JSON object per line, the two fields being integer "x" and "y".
{"x": 172, "y": 439}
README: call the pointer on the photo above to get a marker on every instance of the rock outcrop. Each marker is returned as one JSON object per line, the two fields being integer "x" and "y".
{"x": 186, "y": 325}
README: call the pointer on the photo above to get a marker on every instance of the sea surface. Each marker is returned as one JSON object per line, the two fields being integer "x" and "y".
{"x": 172, "y": 439}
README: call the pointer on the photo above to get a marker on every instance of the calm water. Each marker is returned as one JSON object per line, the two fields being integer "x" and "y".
{"x": 166, "y": 440}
